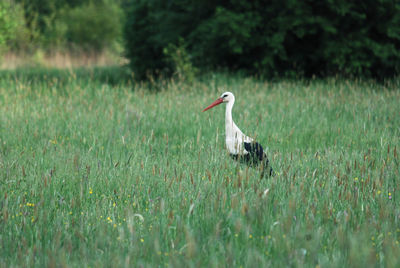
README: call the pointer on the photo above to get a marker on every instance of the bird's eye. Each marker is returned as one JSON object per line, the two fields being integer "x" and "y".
{"x": 226, "y": 95}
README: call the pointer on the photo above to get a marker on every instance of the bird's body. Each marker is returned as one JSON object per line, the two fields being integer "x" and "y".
{"x": 240, "y": 146}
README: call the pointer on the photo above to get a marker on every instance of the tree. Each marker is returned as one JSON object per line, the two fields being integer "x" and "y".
{"x": 277, "y": 37}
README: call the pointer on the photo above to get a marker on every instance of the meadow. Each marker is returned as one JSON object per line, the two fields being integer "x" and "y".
{"x": 97, "y": 170}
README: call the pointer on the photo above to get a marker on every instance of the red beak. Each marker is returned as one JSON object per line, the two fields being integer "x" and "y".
{"x": 215, "y": 103}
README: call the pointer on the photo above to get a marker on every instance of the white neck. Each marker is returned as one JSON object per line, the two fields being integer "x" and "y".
{"x": 234, "y": 136}
{"x": 228, "y": 115}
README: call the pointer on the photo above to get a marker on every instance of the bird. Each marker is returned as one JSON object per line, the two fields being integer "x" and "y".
{"x": 239, "y": 145}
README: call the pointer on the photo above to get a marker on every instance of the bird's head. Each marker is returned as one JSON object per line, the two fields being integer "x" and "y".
{"x": 225, "y": 97}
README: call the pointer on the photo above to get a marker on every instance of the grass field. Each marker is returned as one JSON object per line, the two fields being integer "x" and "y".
{"x": 99, "y": 173}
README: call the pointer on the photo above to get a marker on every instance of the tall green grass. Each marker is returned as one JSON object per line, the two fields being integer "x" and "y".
{"x": 96, "y": 173}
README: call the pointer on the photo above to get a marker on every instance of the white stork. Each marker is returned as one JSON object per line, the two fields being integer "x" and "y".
{"x": 239, "y": 145}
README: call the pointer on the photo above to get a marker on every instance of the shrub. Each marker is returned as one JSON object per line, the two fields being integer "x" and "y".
{"x": 180, "y": 60}
{"x": 93, "y": 26}
{"x": 84, "y": 24}
{"x": 11, "y": 25}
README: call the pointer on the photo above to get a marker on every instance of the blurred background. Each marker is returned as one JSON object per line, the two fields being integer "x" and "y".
{"x": 183, "y": 38}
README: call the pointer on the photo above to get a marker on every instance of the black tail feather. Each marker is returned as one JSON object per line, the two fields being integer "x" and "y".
{"x": 265, "y": 166}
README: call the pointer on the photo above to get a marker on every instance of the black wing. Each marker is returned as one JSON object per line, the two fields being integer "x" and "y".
{"x": 256, "y": 156}
{"x": 255, "y": 150}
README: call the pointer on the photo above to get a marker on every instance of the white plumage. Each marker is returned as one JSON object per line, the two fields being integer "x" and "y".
{"x": 234, "y": 136}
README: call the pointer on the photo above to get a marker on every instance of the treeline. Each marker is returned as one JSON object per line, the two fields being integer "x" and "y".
{"x": 274, "y": 37}
{"x": 180, "y": 37}
{"x": 74, "y": 25}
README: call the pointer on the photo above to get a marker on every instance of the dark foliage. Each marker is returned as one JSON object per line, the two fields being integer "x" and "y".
{"x": 277, "y": 37}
